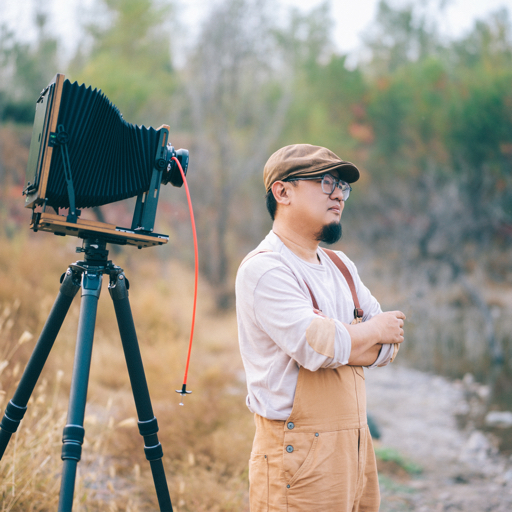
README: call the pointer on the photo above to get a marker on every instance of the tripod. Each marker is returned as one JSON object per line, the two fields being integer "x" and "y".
{"x": 88, "y": 275}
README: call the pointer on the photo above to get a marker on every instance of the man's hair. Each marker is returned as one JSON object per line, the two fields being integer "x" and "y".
{"x": 272, "y": 203}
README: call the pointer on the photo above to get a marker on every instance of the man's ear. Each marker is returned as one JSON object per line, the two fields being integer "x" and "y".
{"x": 280, "y": 189}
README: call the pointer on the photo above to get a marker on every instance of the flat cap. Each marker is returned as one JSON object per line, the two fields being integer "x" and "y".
{"x": 305, "y": 160}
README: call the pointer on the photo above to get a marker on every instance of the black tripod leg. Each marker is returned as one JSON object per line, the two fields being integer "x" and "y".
{"x": 16, "y": 408}
{"x": 73, "y": 435}
{"x": 148, "y": 426}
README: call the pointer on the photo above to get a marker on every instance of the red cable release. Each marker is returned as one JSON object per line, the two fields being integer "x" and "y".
{"x": 183, "y": 391}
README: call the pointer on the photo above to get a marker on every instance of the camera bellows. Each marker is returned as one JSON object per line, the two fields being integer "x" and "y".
{"x": 109, "y": 159}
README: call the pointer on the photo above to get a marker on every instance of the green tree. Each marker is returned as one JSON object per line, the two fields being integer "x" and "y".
{"x": 129, "y": 58}
{"x": 327, "y": 104}
{"x": 399, "y": 36}
{"x": 441, "y": 200}
{"x": 481, "y": 117}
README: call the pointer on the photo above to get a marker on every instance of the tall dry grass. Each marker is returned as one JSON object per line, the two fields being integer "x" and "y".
{"x": 206, "y": 443}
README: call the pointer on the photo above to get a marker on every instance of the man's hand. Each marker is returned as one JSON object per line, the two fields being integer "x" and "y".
{"x": 368, "y": 337}
{"x": 389, "y": 327}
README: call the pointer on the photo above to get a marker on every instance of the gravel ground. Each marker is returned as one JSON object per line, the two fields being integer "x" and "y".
{"x": 416, "y": 414}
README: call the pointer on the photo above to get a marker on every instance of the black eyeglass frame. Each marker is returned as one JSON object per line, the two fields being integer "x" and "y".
{"x": 342, "y": 185}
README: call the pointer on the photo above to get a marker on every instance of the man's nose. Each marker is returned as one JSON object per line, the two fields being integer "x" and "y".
{"x": 337, "y": 193}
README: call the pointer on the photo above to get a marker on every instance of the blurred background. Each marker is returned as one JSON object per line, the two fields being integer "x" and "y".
{"x": 418, "y": 94}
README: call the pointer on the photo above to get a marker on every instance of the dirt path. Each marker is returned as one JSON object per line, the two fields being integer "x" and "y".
{"x": 416, "y": 414}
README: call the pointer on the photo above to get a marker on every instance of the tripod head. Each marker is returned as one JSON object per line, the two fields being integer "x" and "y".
{"x": 96, "y": 262}
{"x": 95, "y": 250}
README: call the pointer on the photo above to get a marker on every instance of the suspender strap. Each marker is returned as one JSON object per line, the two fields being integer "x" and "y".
{"x": 315, "y": 303}
{"x": 358, "y": 312}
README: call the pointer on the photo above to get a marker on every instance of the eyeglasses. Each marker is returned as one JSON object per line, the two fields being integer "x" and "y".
{"x": 329, "y": 184}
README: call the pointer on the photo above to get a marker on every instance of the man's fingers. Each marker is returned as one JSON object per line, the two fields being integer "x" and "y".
{"x": 399, "y": 314}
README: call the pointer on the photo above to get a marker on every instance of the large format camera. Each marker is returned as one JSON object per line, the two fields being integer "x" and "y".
{"x": 84, "y": 154}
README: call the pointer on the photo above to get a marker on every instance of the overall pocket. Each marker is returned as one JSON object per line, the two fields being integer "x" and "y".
{"x": 298, "y": 452}
{"x": 328, "y": 477}
{"x": 258, "y": 483}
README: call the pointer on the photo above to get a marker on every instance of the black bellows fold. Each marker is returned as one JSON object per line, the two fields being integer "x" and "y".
{"x": 110, "y": 159}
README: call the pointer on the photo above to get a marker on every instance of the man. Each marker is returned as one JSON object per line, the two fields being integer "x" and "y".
{"x": 302, "y": 349}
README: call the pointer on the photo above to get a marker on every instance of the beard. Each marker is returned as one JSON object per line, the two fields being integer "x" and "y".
{"x": 330, "y": 233}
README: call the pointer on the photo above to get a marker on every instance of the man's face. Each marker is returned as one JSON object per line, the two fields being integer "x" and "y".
{"x": 314, "y": 211}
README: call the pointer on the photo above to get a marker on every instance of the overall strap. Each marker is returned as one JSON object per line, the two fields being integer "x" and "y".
{"x": 315, "y": 303}
{"x": 358, "y": 312}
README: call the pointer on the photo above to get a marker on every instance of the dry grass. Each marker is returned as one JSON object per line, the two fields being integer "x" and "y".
{"x": 206, "y": 443}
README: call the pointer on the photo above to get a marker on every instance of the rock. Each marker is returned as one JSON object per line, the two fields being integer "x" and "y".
{"x": 507, "y": 476}
{"x": 476, "y": 448}
{"x": 468, "y": 380}
{"x": 461, "y": 408}
{"x": 500, "y": 419}
{"x": 484, "y": 391}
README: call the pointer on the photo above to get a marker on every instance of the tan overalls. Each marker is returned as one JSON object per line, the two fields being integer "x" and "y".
{"x": 321, "y": 458}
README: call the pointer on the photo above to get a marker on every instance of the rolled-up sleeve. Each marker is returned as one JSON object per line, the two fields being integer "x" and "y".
{"x": 385, "y": 356}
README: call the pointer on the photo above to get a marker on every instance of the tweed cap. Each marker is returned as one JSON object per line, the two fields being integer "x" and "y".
{"x": 305, "y": 160}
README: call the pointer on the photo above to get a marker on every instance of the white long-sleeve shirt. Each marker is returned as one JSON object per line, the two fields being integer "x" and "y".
{"x": 277, "y": 325}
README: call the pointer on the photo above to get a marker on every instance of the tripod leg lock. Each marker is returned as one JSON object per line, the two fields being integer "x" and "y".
{"x": 152, "y": 447}
{"x": 73, "y": 438}
{"x": 147, "y": 428}
{"x": 154, "y": 452}
{"x": 12, "y": 417}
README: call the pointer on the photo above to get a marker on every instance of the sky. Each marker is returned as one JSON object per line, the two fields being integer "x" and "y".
{"x": 352, "y": 17}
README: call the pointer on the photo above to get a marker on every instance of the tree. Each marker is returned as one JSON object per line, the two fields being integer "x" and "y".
{"x": 129, "y": 58}
{"x": 399, "y": 36}
{"x": 481, "y": 118}
{"x": 236, "y": 88}
{"x": 327, "y": 100}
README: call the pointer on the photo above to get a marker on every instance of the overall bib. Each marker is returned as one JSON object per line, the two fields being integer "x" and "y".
{"x": 321, "y": 458}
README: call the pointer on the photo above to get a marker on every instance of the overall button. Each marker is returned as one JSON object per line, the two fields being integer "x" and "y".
{"x": 316, "y": 434}
{"x": 289, "y": 448}
{"x": 290, "y": 425}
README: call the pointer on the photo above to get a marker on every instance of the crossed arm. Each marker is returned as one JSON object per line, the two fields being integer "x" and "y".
{"x": 368, "y": 337}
